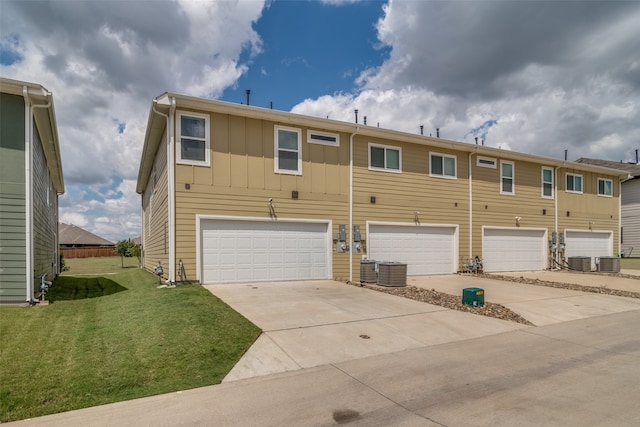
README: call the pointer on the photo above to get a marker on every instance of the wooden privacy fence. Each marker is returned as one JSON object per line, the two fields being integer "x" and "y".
{"x": 88, "y": 252}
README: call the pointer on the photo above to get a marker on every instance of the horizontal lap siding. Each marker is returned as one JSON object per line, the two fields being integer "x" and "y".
{"x": 12, "y": 200}
{"x": 155, "y": 214}
{"x": 588, "y": 210}
{"x": 45, "y": 217}
{"x": 241, "y": 180}
{"x": 399, "y": 195}
{"x": 491, "y": 208}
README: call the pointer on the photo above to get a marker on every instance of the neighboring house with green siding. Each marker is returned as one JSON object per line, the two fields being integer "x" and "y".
{"x": 30, "y": 182}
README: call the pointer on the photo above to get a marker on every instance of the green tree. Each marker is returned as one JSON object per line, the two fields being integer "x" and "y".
{"x": 125, "y": 248}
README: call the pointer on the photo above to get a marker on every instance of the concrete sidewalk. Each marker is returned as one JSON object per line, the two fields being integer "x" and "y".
{"x": 541, "y": 305}
{"x": 314, "y": 323}
{"x": 576, "y": 373}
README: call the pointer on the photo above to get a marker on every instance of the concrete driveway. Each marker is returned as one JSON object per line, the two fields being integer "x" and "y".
{"x": 314, "y": 323}
{"x": 542, "y": 305}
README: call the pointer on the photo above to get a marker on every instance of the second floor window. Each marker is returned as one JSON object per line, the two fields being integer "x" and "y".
{"x": 383, "y": 157}
{"x": 506, "y": 178}
{"x": 288, "y": 150}
{"x": 442, "y": 165}
{"x": 605, "y": 187}
{"x": 193, "y": 139}
{"x": 574, "y": 183}
{"x": 547, "y": 182}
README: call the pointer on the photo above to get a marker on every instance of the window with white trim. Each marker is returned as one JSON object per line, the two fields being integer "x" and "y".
{"x": 324, "y": 138}
{"x": 547, "y": 183}
{"x": 605, "y": 187}
{"x": 385, "y": 158}
{"x": 486, "y": 162}
{"x": 288, "y": 150}
{"x": 442, "y": 165}
{"x": 193, "y": 139}
{"x": 507, "y": 175}
{"x": 573, "y": 183}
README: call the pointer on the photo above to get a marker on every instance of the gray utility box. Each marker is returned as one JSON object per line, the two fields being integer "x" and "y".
{"x": 609, "y": 264}
{"x": 580, "y": 263}
{"x": 368, "y": 271}
{"x": 392, "y": 274}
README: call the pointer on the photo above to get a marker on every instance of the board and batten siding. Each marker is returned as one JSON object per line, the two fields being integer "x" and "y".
{"x": 45, "y": 216}
{"x": 155, "y": 213}
{"x": 399, "y": 195}
{"x": 241, "y": 180}
{"x": 12, "y": 199}
{"x": 631, "y": 217}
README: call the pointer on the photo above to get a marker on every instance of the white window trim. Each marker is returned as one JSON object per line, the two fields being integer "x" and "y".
{"x": 542, "y": 182}
{"x": 386, "y": 147}
{"x": 513, "y": 178}
{"x": 450, "y": 156}
{"x": 276, "y": 152}
{"x": 486, "y": 160}
{"x": 207, "y": 142}
{"x": 605, "y": 195}
{"x": 335, "y": 143}
{"x": 568, "y": 174}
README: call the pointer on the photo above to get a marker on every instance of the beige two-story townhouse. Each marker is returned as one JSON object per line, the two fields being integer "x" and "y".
{"x": 234, "y": 193}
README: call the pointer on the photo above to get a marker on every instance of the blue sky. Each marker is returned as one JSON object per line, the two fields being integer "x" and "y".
{"x": 536, "y": 77}
{"x": 310, "y": 49}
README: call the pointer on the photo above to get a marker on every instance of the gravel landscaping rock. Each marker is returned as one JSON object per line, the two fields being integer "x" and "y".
{"x": 454, "y": 302}
{"x": 572, "y": 286}
{"x": 449, "y": 301}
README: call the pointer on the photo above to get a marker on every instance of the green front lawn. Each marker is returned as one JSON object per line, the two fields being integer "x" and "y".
{"x": 137, "y": 342}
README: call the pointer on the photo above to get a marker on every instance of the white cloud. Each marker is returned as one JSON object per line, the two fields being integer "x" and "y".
{"x": 554, "y": 75}
{"x": 107, "y": 60}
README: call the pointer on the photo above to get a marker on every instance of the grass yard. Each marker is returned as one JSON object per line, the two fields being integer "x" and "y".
{"x": 630, "y": 263}
{"x": 99, "y": 266}
{"x": 137, "y": 342}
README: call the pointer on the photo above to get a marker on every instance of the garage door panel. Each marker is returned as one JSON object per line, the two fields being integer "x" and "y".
{"x": 425, "y": 249}
{"x": 248, "y": 250}
{"x": 514, "y": 249}
{"x": 593, "y": 244}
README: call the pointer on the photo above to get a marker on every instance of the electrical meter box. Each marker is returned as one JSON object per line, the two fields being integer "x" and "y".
{"x": 473, "y": 296}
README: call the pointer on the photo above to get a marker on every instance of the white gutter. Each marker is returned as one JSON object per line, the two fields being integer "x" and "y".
{"x": 351, "y": 203}
{"x": 170, "y": 186}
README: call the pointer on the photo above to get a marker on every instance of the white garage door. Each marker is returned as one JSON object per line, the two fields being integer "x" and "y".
{"x": 245, "y": 250}
{"x": 425, "y": 249}
{"x": 593, "y": 244}
{"x": 511, "y": 249}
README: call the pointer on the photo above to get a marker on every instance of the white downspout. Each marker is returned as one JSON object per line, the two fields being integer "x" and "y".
{"x": 172, "y": 192}
{"x": 170, "y": 186}
{"x": 27, "y": 196}
{"x": 620, "y": 216}
{"x": 555, "y": 216}
{"x": 351, "y": 203}
{"x": 471, "y": 206}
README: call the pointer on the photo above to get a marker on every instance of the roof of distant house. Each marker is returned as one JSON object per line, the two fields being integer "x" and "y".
{"x": 632, "y": 168}
{"x": 72, "y": 235}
